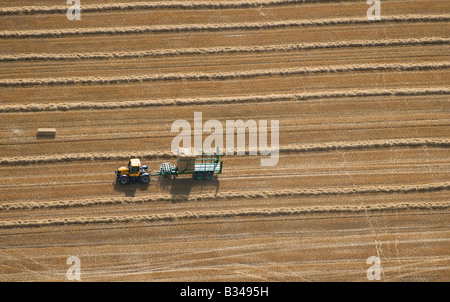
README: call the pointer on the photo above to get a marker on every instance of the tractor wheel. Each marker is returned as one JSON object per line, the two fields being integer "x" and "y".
{"x": 198, "y": 175}
{"x": 209, "y": 175}
{"x": 124, "y": 180}
{"x": 145, "y": 179}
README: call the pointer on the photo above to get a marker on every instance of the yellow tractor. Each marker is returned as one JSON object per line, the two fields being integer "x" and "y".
{"x": 133, "y": 172}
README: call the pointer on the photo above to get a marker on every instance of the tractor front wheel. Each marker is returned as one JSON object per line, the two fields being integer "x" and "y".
{"x": 124, "y": 180}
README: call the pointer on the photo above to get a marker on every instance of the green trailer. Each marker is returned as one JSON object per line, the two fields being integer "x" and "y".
{"x": 202, "y": 166}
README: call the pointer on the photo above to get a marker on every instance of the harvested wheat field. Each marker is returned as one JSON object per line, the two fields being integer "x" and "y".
{"x": 363, "y": 168}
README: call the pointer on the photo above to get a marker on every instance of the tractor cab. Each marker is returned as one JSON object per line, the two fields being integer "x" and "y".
{"x": 134, "y": 167}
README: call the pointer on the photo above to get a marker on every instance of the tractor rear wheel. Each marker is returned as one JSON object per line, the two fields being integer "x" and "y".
{"x": 124, "y": 180}
{"x": 145, "y": 179}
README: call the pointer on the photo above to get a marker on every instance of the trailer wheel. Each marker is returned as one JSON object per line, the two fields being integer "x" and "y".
{"x": 198, "y": 175}
{"x": 145, "y": 179}
{"x": 123, "y": 180}
{"x": 208, "y": 175}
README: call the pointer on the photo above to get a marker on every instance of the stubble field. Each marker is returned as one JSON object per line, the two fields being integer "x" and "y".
{"x": 363, "y": 111}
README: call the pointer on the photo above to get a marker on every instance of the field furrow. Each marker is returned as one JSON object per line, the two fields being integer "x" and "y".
{"x": 217, "y": 27}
